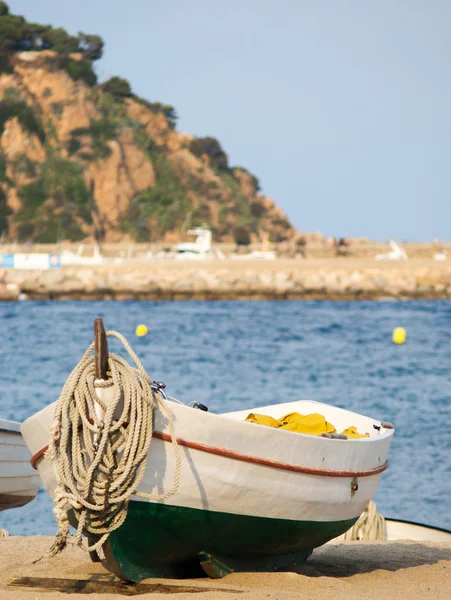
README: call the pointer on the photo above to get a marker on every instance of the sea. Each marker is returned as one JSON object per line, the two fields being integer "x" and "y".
{"x": 242, "y": 354}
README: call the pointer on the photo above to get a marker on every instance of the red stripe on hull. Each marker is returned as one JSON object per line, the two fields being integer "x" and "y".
{"x": 267, "y": 462}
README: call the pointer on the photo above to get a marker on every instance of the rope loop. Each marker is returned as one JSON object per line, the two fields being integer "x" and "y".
{"x": 369, "y": 526}
{"x": 99, "y": 448}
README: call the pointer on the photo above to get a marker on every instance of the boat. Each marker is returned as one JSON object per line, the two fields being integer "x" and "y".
{"x": 397, "y": 253}
{"x": 19, "y": 483}
{"x": 200, "y": 249}
{"x": 69, "y": 258}
{"x": 398, "y": 529}
{"x": 372, "y": 526}
{"x": 216, "y": 494}
{"x": 265, "y": 253}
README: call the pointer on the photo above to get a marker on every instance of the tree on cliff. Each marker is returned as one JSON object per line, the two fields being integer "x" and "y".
{"x": 258, "y": 209}
{"x": 92, "y": 45}
{"x": 59, "y": 40}
{"x": 12, "y": 30}
{"x": 210, "y": 147}
{"x": 55, "y": 203}
{"x": 5, "y": 211}
{"x": 241, "y": 236}
{"x": 118, "y": 87}
{"x": 255, "y": 181}
{"x": 164, "y": 109}
{"x": 19, "y": 35}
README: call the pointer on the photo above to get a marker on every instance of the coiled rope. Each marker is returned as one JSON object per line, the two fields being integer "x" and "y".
{"x": 99, "y": 463}
{"x": 369, "y": 526}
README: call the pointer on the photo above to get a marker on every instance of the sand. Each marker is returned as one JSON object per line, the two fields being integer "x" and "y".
{"x": 363, "y": 570}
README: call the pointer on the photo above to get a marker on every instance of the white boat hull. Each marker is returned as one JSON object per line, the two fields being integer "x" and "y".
{"x": 406, "y": 530}
{"x": 228, "y": 465}
{"x": 19, "y": 483}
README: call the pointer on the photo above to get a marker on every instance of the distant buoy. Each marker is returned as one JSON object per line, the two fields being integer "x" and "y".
{"x": 399, "y": 335}
{"x": 141, "y": 330}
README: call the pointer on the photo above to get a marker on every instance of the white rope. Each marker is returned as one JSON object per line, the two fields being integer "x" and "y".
{"x": 99, "y": 463}
{"x": 369, "y": 526}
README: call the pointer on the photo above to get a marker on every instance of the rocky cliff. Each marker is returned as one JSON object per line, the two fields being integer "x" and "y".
{"x": 81, "y": 160}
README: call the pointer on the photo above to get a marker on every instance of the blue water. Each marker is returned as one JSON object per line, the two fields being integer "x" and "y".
{"x": 235, "y": 355}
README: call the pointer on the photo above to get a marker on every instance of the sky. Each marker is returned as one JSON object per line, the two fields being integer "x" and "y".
{"x": 341, "y": 108}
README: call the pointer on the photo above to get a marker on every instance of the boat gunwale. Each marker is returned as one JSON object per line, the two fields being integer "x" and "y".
{"x": 15, "y": 427}
{"x": 406, "y": 522}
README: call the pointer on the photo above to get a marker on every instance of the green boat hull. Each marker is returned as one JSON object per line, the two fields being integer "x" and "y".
{"x": 158, "y": 540}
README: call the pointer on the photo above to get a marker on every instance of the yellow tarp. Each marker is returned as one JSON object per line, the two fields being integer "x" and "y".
{"x": 313, "y": 424}
{"x": 262, "y": 420}
{"x": 351, "y": 432}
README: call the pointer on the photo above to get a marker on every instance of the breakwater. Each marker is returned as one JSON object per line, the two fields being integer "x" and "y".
{"x": 339, "y": 278}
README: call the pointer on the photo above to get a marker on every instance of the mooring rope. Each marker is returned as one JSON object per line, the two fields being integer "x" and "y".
{"x": 369, "y": 526}
{"x": 99, "y": 463}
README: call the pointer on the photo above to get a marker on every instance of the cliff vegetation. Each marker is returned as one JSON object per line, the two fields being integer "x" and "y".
{"x": 82, "y": 159}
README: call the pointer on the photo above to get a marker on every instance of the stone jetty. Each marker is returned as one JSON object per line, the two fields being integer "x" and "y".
{"x": 284, "y": 279}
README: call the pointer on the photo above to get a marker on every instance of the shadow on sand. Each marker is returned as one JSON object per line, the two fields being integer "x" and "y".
{"x": 346, "y": 560}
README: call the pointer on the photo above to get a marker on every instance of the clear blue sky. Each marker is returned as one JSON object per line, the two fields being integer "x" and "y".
{"x": 342, "y": 108}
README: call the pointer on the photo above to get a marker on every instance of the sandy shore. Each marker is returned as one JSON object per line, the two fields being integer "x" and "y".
{"x": 363, "y": 570}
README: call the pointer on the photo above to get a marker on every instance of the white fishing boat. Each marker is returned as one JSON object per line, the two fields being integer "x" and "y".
{"x": 372, "y": 526}
{"x": 200, "y": 249}
{"x": 214, "y": 491}
{"x": 265, "y": 252}
{"x": 69, "y": 258}
{"x": 398, "y": 529}
{"x": 19, "y": 483}
{"x": 396, "y": 253}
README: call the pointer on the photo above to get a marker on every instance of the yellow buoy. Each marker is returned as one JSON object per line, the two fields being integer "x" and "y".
{"x": 141, "y": 330}
{"x": 399, "y": 335}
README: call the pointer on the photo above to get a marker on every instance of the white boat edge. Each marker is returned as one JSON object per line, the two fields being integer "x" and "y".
{"x": 406, "y": 531}
{"x": 19, "y": 482}
{"x": 400, "y": 529}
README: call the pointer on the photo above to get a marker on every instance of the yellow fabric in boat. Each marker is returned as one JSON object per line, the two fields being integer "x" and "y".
{"x": 351, "y": 432}
{"x": 262, "y": 420}
{"x": 314, "y": 424}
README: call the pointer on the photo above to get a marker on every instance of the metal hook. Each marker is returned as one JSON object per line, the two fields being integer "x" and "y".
{"x": 158, "y": 387}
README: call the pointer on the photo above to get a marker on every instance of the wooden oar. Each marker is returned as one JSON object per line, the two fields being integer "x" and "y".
{"x": 101, "y": 349}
